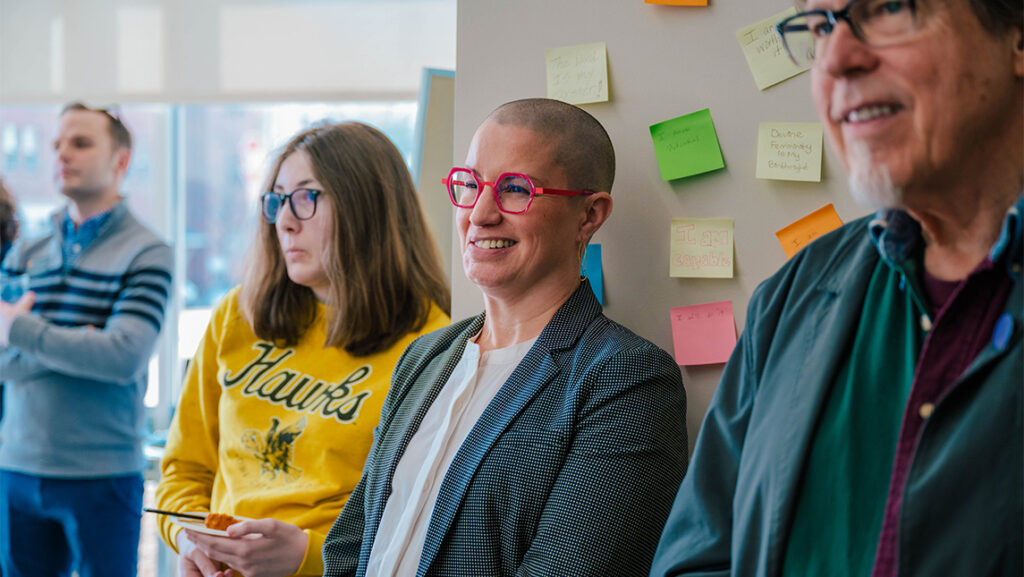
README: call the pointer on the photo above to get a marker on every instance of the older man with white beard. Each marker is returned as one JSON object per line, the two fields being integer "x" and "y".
{"x": 870, "y": 420}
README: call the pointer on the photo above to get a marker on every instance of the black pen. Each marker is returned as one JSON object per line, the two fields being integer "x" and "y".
{"x": 173, "y": 514}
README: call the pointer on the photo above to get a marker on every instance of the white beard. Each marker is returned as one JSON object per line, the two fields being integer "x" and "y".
{"x": 871, "y": 183}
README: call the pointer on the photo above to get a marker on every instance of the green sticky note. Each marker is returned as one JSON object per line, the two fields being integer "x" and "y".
{"x": 789, "y": 151}
{"x": 578, "y": 74}
{"x": 687, "y": 145}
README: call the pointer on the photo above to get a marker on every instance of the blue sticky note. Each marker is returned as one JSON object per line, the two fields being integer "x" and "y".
{"x": 592, "y": 270}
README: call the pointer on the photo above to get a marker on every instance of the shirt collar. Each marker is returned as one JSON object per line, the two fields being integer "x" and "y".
{"x": 90, "y": 228}
{"x": 92, "y": 225}
{"x": 1008, "y": 246}
{"x": 896, "y": 235}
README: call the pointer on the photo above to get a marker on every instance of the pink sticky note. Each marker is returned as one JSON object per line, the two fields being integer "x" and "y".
{"x": 703, "y": 334}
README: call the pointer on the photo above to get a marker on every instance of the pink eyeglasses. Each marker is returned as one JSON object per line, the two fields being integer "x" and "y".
{"x": 513, "y": 191}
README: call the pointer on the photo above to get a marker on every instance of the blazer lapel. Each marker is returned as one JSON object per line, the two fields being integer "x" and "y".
{"x": 535, "y": 371}
{"x": 407, "y": 413}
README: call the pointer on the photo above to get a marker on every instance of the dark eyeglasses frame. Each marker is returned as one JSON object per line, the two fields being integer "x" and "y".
{"x": 482, "y": 184}
{"x": 833, "y": 17}
{"x": 282, "y": 197}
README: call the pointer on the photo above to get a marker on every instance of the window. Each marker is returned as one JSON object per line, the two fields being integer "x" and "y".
{"x": 206, "y": 163}
{"x": 226, "y": 159}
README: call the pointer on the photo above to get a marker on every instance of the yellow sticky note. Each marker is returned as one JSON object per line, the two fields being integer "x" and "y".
{"x": 701, "y": 247}
{"x": 789, "y": 151}
{"x": 578, "y": 74}
{"x": 678, "y": 2}
{"x": 766, "y": 56}
{"x": 802, "y": 232}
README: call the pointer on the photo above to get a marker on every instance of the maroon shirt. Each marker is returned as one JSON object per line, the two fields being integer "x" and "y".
{"x": 965, "y": 315}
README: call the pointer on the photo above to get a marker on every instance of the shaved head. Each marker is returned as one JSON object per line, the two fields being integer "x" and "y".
{"x": 582, "y": 147}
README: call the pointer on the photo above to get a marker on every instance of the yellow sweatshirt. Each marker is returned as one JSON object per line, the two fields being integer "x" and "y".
{"x": 265, "y": 432}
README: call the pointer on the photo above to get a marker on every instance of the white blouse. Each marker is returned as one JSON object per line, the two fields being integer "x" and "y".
{"x": 419, "y": 473}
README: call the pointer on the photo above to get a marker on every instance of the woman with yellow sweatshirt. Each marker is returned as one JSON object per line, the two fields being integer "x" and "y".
{"x": 280, "y": 401}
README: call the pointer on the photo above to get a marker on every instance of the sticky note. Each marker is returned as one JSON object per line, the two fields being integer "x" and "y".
{"x": 578, "y": 74}
{"x": 701, "y": 247}
{"x": 592, "y": 270}
{"x": 789, "y": 151}
{"x": 678, "y": 2}
{"x": 703, "y": 334}
{"x": 687, "y": 145}
{"x": 766, "y": 56}
{"x": 802, "y": 232}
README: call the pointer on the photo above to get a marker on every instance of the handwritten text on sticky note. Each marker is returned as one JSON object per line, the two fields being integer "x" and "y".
{"x": 802, "y": 232}
{"x": 678, "y": 2}
{"x": 703, "y": 334}
{"x": 702, "y": 247}
{"x": 789, "y": 151}
{"x": 578, "y": 74}
{"x": 592, "y": 270}
{"x": 687, "y": 145}
{"x": 766, "y": 56}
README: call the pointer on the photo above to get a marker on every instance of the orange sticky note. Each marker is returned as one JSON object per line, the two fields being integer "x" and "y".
{"x": 802, "y": 232}
{"x": 678, "y": 2}
{"x": 703, "y": 334}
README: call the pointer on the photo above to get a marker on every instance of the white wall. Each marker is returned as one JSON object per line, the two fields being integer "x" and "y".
{"x": 663, "y": 62}
{"x": 219, "y": 50}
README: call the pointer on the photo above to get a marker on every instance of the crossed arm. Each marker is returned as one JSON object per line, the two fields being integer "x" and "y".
{"x": 115, "y": 353}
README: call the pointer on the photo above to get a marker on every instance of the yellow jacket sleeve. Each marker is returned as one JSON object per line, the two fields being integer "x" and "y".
{"x": 313, "y": 562}
{"x": 189, "y": 464}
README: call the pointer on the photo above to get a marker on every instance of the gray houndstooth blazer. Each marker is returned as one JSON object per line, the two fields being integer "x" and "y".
{"x": 571, "y": 469}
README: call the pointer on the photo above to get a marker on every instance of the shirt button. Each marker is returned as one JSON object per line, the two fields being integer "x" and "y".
{"x": 76, "y": 248}
{"x": 1015, "y": 268}
{"x": 926, "y": 410}
{"x": 926, "y": 323}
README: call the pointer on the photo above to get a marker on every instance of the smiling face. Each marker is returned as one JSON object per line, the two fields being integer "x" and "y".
{"x": 302, "y": 241}
{"x": 89, "y": 167}
{"x": 511, "y": 255}
{"x": 922, "y": 115}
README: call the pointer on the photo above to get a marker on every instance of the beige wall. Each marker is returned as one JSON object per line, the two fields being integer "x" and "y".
{"x": 663, "y": 62}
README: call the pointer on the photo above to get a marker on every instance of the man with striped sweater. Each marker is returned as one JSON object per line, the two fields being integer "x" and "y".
{"x": 74, "y": 352}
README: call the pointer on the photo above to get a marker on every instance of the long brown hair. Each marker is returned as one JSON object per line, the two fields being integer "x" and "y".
{"x": 382, "y": 262}
{"x": 8, "y": 220}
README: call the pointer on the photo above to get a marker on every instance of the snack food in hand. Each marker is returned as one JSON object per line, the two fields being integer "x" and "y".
{"x": 219, "y": 521}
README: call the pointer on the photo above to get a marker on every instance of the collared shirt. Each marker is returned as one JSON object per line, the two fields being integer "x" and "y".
{"x": 76, "y": 239}
{"x": 421, "y": 470}
{"x": 908, "y": 351}
{"x": 958, "y": 330}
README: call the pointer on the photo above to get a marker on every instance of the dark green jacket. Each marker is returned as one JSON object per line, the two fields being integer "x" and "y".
{"x": 962, "y": 511}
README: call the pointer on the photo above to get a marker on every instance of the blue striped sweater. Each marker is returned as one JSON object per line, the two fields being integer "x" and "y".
{"x": 76, "y": 366}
